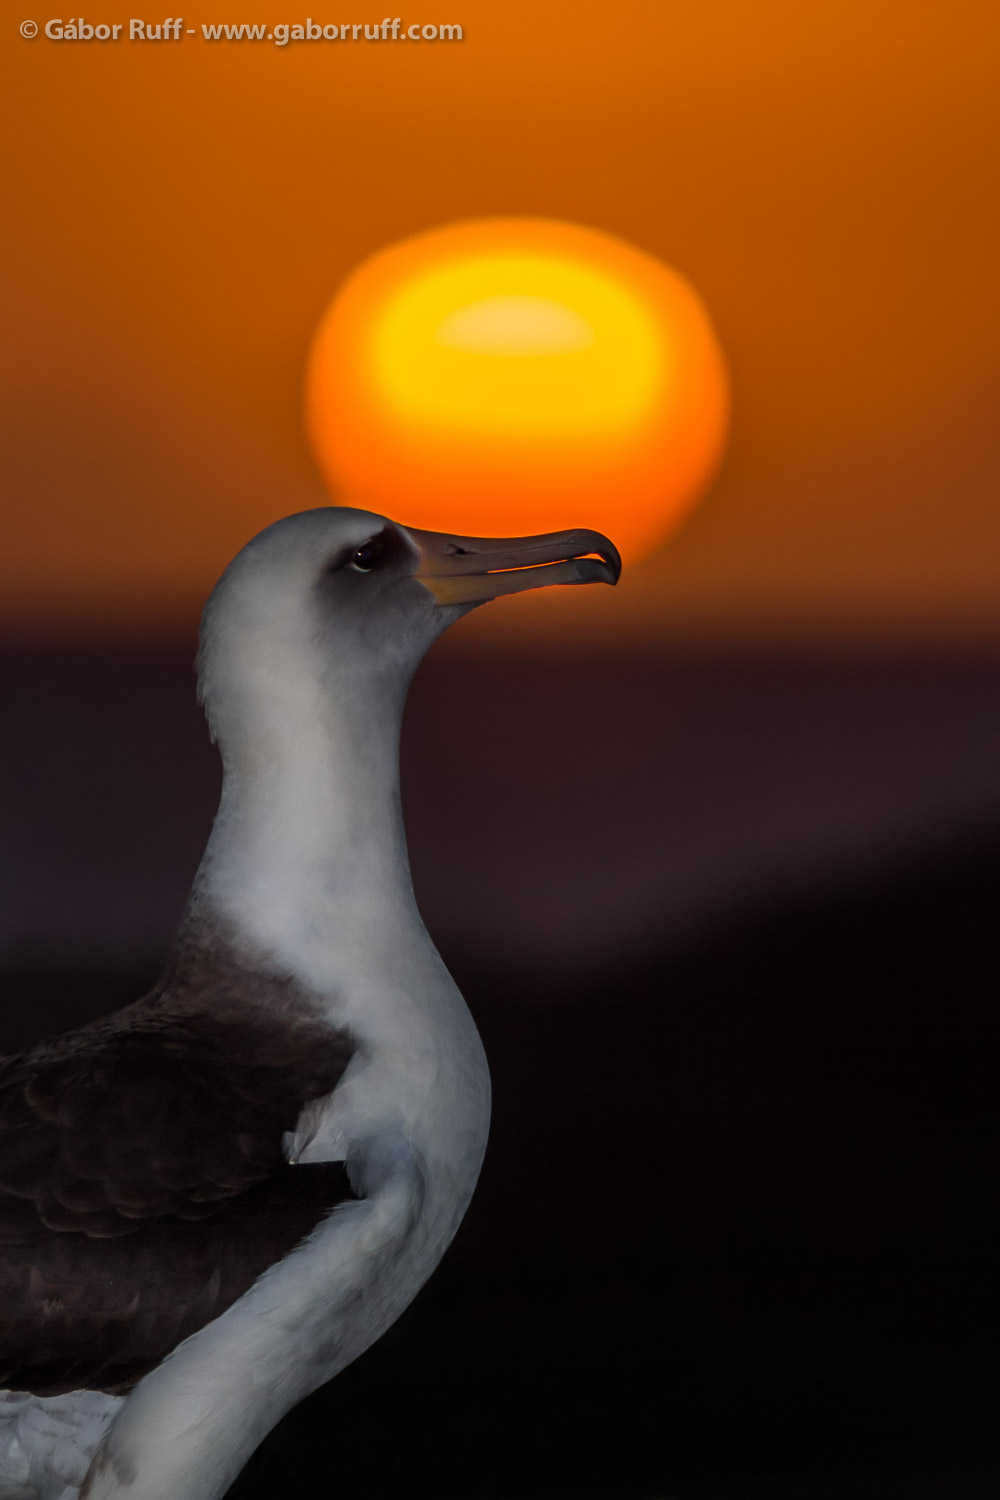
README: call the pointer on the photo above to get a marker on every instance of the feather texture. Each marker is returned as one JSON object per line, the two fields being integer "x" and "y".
{"x": 143, "y": 1186}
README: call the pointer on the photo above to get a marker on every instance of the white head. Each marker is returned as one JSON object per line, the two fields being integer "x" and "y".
{"x": 309, "y": 641}
{"x": 341, "y": 603}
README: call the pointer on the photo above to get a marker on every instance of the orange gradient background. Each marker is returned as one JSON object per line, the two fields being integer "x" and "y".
{"x": 822, "y": 175}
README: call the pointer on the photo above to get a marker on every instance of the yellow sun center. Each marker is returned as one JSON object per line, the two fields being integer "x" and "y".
{"x": 510, "y": 376}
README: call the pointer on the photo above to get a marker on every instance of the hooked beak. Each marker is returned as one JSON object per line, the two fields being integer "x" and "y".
{"x": 470, "y": 569}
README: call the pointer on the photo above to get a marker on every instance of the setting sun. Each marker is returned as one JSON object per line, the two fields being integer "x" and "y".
{"x": 518, "y": 375}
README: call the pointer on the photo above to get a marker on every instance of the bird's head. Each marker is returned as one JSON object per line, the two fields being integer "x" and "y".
{"x": 344, "y": 598}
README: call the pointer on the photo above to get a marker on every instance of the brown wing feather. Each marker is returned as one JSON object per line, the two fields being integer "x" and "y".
{"x": 84, "y": 1313}
{"x": 142, "y": 1182}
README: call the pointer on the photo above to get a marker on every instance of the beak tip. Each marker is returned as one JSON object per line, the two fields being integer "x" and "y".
{"x": 608, "y": 553}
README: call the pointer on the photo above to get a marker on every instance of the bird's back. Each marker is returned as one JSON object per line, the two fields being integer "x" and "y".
{"x": 143, "y": 1190}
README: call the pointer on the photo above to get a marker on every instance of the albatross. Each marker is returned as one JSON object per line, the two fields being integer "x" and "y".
{"x": 213, "y": 1200}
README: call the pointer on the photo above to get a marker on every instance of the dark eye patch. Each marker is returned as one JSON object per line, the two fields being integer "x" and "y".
{"x": 371, "y": 555}
{"x": 379, "y": 551}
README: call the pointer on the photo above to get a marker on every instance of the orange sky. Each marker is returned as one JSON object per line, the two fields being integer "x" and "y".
{"x": 823, "y": 173}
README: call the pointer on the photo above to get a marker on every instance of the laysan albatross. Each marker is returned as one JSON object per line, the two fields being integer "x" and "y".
{"x": 215, "y": 1199}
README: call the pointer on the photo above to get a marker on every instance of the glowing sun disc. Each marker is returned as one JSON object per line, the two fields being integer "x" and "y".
{"x": 508, "y": 376}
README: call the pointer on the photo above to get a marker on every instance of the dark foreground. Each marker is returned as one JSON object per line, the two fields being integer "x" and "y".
{"x": 738, "y": 1236}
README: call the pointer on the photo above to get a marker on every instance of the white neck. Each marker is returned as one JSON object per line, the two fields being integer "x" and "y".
{"x": 307, "y": 858}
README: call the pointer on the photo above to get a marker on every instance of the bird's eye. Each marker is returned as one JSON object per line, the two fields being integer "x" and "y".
{"x": 369, "y": 556}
